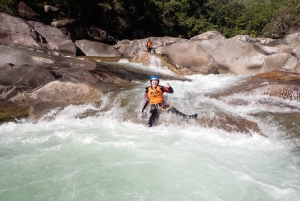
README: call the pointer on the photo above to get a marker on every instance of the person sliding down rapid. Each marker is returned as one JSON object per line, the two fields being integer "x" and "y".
{"x": 149, "y": 45}
{"x": 154, "y": 95}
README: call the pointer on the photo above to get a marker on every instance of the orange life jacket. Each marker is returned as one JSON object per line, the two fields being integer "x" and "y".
{"x": 155, "y": 95}
{"x": 149, "y": 44}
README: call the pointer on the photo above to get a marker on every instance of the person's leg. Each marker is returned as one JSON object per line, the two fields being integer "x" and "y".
{"x": 154, "y": 115}
{"x": 175, "y": 111}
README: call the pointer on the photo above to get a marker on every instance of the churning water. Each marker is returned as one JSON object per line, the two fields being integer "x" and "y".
{"x": 112, "y": 155}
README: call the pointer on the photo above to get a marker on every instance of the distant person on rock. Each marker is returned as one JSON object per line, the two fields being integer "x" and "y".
{"x": 154, "y": 95}
{"x": 149, "y": 45}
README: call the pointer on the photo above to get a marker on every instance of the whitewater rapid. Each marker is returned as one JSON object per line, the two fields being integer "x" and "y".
{"x": 107, "y": 152}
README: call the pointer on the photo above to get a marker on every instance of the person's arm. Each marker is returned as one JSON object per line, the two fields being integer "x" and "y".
{"x": 167, "y": 88}
{"x": 146, "y": 100}
{"x": 146, "y": 95}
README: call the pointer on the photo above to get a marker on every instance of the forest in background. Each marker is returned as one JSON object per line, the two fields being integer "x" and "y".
{"x": 178, "y": 18}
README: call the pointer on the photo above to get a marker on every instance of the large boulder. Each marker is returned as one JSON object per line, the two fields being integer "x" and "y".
{"x": 35, "y": 34}
{"x": 16, "y": 56}
{"x": 18, "y": 79}
{"x": 17, "y": 31}
{"x": 281, "y": 61}
{"x": 242, "y": 57}
{"x": 208, "y": 36}
{"x": 289, "y": 45}
{"x": 54, "y": 38}
{"x": 24, "y": 70}
{"x": 189, "y": 58}
{"x": 22, "y": 56}
{"x": 66, "y": 92}
{"x": 235, "y": 56}
{"x": 92, "y": 48}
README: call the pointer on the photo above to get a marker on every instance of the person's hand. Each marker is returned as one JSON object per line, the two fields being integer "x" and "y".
{"x": 168, "y": 85}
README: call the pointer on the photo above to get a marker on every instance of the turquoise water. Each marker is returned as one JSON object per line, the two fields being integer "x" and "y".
{"x": 113, "y": 156}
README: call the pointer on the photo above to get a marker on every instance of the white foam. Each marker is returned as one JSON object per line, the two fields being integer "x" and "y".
{"x": 277, "y": 192}
{"x": 123, "y": 61}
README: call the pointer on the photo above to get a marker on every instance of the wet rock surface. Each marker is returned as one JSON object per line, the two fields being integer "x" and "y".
{"x": 10, "y": 110}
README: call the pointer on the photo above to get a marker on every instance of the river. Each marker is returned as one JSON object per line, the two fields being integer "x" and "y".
{"x": 106, "y": 152}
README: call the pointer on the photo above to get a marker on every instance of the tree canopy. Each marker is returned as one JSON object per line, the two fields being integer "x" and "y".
{"x": 121, "y": 18}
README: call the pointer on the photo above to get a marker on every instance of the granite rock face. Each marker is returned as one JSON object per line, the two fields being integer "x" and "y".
{"x": 189, "y": 58}
{"x": 92, "y": 48}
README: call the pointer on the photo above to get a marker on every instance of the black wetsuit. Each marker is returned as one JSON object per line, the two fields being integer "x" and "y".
{"x": 155, "y": 109}
{"x": 149, "y": 46}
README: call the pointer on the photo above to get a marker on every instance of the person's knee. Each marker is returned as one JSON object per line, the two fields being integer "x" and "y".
{"x": 154, "y": 111}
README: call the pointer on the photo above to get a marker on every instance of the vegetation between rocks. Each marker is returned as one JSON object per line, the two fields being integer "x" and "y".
{"x": 186, "y": 18}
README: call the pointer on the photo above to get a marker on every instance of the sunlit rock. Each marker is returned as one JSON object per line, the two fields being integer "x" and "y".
{"x": 235, "y": 56}
{"x": 281, "y": 61}
{"x": 189, "y": 58}
{"x": 67, "y": 92}
{"x": 92, "y": 48}
{"x": 290, "y": 45}
{"x": 131, "y": 48}
{"x": 208, "y": 35}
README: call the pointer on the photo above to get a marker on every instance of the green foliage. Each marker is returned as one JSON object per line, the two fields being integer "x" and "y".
{"x": 225, "y": 20}
{"x": 9, "y": 6}
{"x": 254, "y": 18}
{"x": 286, "y": 14}
{"x": 271, "y": 18}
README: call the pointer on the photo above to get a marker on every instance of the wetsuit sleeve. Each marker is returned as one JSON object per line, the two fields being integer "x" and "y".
{"x": 167, "y": 90}
{"x": 145, "y": 97}
{"x": 146, "y": 94}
